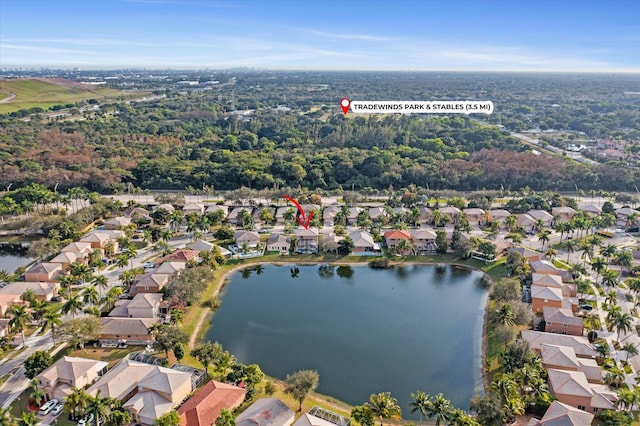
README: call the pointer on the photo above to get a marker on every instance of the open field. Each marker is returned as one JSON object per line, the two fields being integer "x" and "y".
{"x": 36, "y": 93}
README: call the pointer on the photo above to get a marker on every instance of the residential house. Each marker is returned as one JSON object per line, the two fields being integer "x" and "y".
{"x": 542, "y": 215}
{"x": 193, "y": 208}
{"x": 377, "y": 213}
{"x": 562, "y": 214}
{"x": 307, "y": 240}
{"x": 363, "y": 244}
{"x": 549, "y": 280}
{"x": 591, "y": 208}
{"x": 400, "y": 211}
{"x": 564, "y": 358}
{"x": 133, "y": 331}
{"x": 100, "y": 239}
{"x": 527, "y": 222}
{"x": 623, "y": 214}
{"x": 498, "y": 215}
{"x": 572, "y": 388}
{"x": 475, "y": 216}
{"x": 451, "y": 212}
{"x": 543, "y": 267}
{"x": 67, "y": 258}
{"x": 330, "y": 242}
{"x": 562, "y": 321}
{"x": 180, "y": 255}
{"x": 147, "y": 391}
{"x": 425, "y": 215}
{"x": 320, "y": 417}
{"x": 329, "y": 213}
{"x": 41, "y": 290}
{"x": 151, "y": 282}
{"x": 266, "y": 412}
{"x": 6, "y": 300}
{"x": 352, "y": 216}
{"x": 4, "y": 326}
{"x": 257, "y": 212}
{"x": 216, "y": 207}
{"x": 80, "y": 247}
{"x": 424, "y": 240}
{"x": 235, "y": 215}
{"x": 170, "y": 268}
{"x": 280, "y": 213}
{"x": 139, "y": 215}
{"x": 204, "y": 407}
{"x": 143, "y": 305}
{"x": 200, "y": 245}
{"x": 528, "y": 254}
{"x": 559, "y": 414}
{"x": 542, "y": 296}
{"x": 44, "y": 272}
{"x": 115, "y": 223}
{"x": 279, "y": 243}
{"x": 67, "y": 373}
{"x": 580, "y": 344}
{"x": 167, "y": 207}
{"x": 251, "y": 238}
{"x": 393, "y": 238}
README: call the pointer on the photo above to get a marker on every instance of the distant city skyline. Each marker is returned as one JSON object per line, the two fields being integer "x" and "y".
{"x": 403, "y": 35}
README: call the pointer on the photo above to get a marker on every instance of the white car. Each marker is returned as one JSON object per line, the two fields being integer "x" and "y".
{"x": 86, "y": 420}
{"x": 149, "y": 265}
{"x": 57, "y": 409}
{"x": 47, "y": 407}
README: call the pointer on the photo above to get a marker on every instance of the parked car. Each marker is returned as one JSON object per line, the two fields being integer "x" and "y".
{"x": 86, "y": 420}
{"x": 149, "y": 265}
{"x": 57, "y": 409}
{"x": 124, "y": 296}
{"x": 47, "y": 407}
{"x": 586, "y": 307}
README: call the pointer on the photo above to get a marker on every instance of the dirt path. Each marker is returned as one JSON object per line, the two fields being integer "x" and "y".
{"x": 194, "y": 336}
{"x": 9, "y": 99}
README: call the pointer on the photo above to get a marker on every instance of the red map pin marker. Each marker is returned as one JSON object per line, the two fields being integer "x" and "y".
{"x": 345, "y": 103}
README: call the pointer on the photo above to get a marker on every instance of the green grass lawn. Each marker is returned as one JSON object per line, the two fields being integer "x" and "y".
{"x": 32, "y": 93}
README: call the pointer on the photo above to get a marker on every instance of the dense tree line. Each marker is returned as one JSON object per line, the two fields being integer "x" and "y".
{"x": 192, "y": 140}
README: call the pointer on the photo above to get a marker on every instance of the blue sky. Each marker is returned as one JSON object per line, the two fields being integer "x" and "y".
{"x": 518, "y": 35}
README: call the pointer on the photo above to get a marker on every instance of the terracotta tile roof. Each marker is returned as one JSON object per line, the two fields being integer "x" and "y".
{"x": 397, "y": 234}
{"x": 203, "y": 408}
{"x": 180, "y": 255}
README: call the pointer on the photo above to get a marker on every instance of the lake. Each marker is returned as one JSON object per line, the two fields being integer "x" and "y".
{"x": 13, "y": 256}
{"x": 416, "y": 327}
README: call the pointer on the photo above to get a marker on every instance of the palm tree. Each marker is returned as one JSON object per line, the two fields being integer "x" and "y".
{"x": 597, "y": 265}
{"x": 404, "y": 246}
{"x": 76, "y": 402}
{"x": 99, "y": 407}
{"x": 622, "y": 322}
{"x": 570, "y": 246}
{"x": 543, "y": 236}
{"x": 35, "y": 392}
{"x": 20, "y": 319}
{"x": 51, "y": 319}
{"x": 90, "y": 295}
{"x": 630, "y": 349}
{"x": 101, "y": 282}
{"x": 226, "y": 418}
{"x": 577, "y": 270}
{"x": 440, "y": 409}
{"x": 609, "y": 251}
{"x": 609, "y": 277}
{"x": 511, "y": 222}
{"x": 611, "y": 297}
{"x": 119, "y": 418}
{"x": 72, "y": 305}
{"x": 462, "y": 418}
{"x": 384, "y": 406}
{"x": 5, "y": 418}
{"x": 505, "y": 315}
{"x": 122, "y": 260}
{"x": 624, "y": 258}
{"x": 28, "y": 419}
{"x": 177, "y": 316}
{"x": 420, "y": 402}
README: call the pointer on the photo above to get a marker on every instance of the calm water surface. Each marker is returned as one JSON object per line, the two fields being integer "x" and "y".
{"x": 11, "y": 262}
{"x": 364, "y": 330}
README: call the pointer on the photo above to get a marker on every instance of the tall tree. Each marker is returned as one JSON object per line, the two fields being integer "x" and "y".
{"x": 300, "y": 383}
{"x": 439, "y": 409}
{"x": 100, "y": 408}
{"x": 383, "y": 406}
{"x": 226, "y": 418}
{"x": 20, "y": 319}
